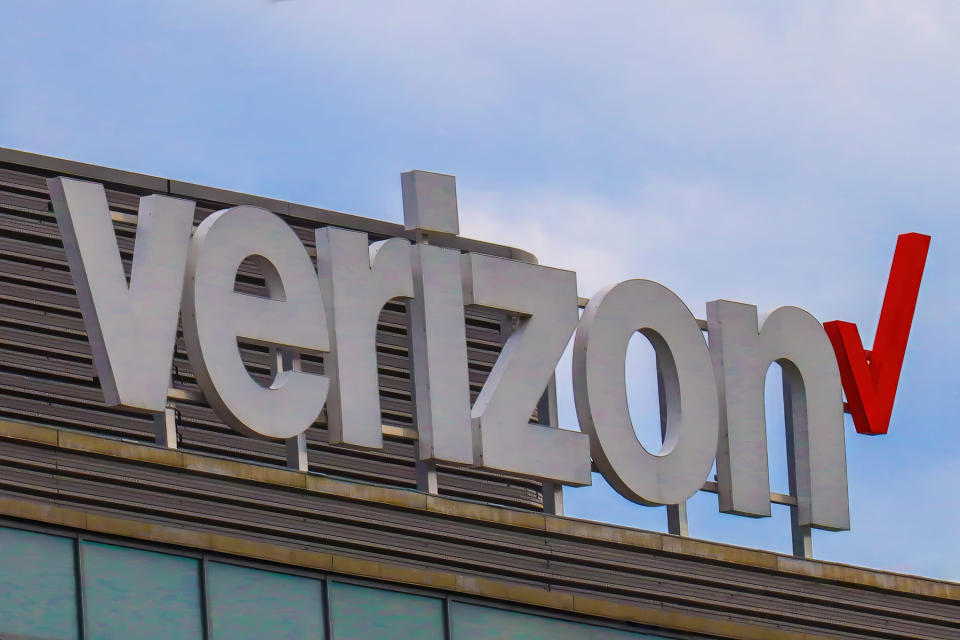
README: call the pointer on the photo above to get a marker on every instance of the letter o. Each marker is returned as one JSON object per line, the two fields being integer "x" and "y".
{"x": 692, "y": 401}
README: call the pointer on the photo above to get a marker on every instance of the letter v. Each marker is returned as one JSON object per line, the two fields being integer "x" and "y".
{"x": 132, "y": 329}
{"x": 870, "y": 378}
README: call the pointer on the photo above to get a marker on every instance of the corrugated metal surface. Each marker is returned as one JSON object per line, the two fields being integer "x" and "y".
{"x": 47, "y": 375}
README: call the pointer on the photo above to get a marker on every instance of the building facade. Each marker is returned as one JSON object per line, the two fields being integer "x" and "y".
{"x": 106, "y": 534}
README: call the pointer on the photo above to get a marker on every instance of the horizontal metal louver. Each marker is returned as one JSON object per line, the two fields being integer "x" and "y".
{"x": 47, "y": 375}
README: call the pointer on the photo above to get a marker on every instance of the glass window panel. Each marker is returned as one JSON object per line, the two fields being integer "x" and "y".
{"x": 250, "y": 603}
{"x": 140, "y": 594}
{"x": 38, "y": 597}
{"x": 472, "y": 622}
{"x": 360, "y": 613}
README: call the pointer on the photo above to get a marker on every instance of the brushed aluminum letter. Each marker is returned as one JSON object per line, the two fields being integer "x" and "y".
{"x": 813, "y": 405}
{"x": 357, "y": 280}
{"x": 689, "y": 392}
{"x": 293, "y": 318}
{"x": 439, "y": 342}
{"x": 545, "y": 299}
{"x": 132, "y": 328}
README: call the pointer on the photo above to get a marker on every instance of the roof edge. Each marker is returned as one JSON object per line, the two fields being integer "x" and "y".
{"x": 311, "y": 483}
{"x": 199, "y": 192}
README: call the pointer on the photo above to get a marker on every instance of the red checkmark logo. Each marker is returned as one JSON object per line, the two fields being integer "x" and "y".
{"x": 870, "y": 378}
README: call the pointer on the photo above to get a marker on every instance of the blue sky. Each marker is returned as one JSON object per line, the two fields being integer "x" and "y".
{"x": 762, "y": 152}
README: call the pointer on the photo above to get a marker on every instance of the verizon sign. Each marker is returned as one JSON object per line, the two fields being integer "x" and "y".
{"x": 712, "y": 386}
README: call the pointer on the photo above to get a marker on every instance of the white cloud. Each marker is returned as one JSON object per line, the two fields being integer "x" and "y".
{"x": 857, "y": 81}
{"x": 703, "y": 240}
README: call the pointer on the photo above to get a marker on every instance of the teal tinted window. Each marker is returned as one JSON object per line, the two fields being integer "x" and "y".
{"x": 471, "y": 622}
{"x": 38, "y": 597}
{"x": 140, "y": 594}
{"x": 249, "y": 603}
{"x": 360, "y": 613}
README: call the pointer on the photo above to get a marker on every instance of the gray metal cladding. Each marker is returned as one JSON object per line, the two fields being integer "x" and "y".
{"x": 47, "y": 375}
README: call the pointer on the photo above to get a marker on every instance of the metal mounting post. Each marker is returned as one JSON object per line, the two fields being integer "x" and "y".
{"x": 425, "y": 470}
{"x": 296, "y": 450}
{"x": 296, "y": 447}
{"x": 165, "y": 426}
{"x": 676, "y": 513}
{"x": 547, "y": 413}
{"x": 801, "y": 535}
{"x": 426, "y": 474}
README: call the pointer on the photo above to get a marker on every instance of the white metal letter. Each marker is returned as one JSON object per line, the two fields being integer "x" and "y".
{"x": 690, "y": 392}
{"x": 214, "y": 316}
{"x": 132, "y": 329}
{"x": 439, "y": 342}
{"x": 357, "y": 281}
{"x": 545, "y": 299}
{"x": 813, "y": 408}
